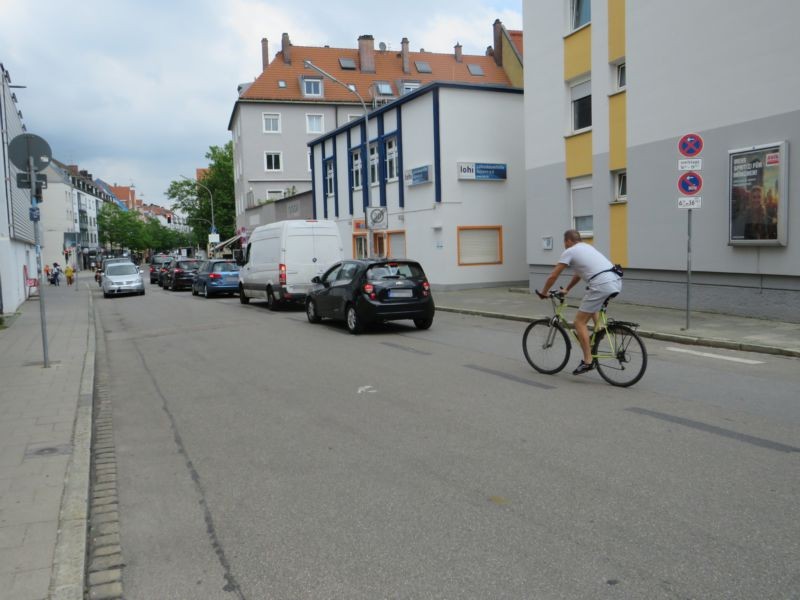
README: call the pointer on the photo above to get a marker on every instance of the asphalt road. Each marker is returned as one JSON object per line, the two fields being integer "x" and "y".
{"x": 260, "y": 456}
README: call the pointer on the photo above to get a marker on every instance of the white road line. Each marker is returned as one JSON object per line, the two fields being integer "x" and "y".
{"x": 746, "y": 361}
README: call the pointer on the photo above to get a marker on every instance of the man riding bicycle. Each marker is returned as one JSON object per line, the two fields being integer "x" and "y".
{"x": 602, "y": 278}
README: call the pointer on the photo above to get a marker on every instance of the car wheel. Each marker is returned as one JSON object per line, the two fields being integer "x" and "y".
{"x": 271, "y": 304}
{"x": 311, "y": 312}
{"x": 206, "y": 295}
{"x": 424, "y": 323}
{"x": 353, "y": 322}
{"x": 243, "y": 299}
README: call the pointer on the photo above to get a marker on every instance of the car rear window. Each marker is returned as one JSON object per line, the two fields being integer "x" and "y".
{"x": 160, "y": 260}
{"x": 187, "y": 264}
{"x": 122, "y": 269}
{"x": 396, "y": 270}
{"x": 225, "y": 267}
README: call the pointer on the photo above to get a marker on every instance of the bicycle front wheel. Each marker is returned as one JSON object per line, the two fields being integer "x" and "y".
{"x": 620, "y": 355}
{"x": 546, "y": 346}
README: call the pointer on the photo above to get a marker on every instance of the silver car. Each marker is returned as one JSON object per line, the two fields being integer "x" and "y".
{"x": 122, "y": 278}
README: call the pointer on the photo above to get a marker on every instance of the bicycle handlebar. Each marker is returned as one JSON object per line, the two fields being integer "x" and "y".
{"x": 559, "y": 294}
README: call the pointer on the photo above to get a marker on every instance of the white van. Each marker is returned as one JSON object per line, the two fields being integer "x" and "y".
{"x": 281, "y": 259}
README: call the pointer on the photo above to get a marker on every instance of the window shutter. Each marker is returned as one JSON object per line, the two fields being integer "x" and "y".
{"x": 479, "y": 246}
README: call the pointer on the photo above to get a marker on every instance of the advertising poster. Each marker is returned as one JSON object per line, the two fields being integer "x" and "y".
{"x": 758, "y": 195}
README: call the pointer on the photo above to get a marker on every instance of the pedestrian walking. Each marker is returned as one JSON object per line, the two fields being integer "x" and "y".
{"x": 47, "y": 272}
{"x": 55, "y": 277}
{"x": 70, "y": 273}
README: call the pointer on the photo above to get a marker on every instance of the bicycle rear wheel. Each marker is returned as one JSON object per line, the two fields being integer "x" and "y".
{"x": 620, "y": 355}
{"x": 546, "y": 346}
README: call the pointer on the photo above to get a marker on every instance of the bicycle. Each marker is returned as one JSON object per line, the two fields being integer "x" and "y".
{"x": 617, "y": 350}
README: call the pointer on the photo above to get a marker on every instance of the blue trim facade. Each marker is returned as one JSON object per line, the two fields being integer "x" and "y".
{"x": 349, "y": 174}
{"x": 399, "y": 141}
{"x": 313, "y": 185}
{"x": 437, "y": 149}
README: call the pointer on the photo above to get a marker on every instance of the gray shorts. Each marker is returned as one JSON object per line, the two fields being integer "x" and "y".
{"x": 597, "y": 293}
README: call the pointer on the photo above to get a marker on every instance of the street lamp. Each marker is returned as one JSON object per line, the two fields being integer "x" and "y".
{"x": 210, "y": 197}
{"x": 366, "y": 184}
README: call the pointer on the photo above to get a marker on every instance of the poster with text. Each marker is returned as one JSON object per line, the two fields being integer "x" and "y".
{"x": 758, "y": 195}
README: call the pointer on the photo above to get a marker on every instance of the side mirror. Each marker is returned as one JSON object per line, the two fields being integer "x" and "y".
{"x": 238, "y": 256}
{"x": 316, "y": 279}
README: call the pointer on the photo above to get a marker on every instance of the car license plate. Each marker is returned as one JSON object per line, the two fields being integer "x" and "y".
{"x": 231, "y": 279}
{"x": 401, "y": 293}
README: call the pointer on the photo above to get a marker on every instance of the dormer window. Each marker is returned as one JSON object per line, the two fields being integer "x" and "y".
{"x": 408, "y": 86}
{"x": 348, "y": 64}
{"x": 312, "y": 87}
{"x": 476, "y": 70}
{"x": 281, "y": 83}
{"x": 422, "y": 66}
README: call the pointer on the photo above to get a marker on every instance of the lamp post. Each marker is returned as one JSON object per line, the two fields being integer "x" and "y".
{"x": 366, "y": 184}
{"x": 211, "y": 199}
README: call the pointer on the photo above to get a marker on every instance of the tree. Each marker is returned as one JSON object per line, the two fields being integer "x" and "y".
{"x": 193, "y": 200}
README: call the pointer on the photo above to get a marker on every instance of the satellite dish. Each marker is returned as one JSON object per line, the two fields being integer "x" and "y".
{"x": 382, "y": 46}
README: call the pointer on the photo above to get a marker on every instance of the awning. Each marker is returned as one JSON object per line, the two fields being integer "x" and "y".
{"x": 226, "y": 243}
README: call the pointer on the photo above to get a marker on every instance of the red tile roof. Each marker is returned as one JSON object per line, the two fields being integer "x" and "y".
{"x": 516, "y": 39}
{"x": 388, "y": 67}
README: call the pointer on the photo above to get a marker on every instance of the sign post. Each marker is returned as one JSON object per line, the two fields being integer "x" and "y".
{"x": 690, "y": 183}
{"x": 29, "y": 152}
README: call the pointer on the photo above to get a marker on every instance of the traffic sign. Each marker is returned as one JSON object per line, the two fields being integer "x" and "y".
{"x": 690, "y": 183}
{"x": 690, "y": 164}
{"x": 34, "y": 213}
{"x": 28, "y": 145}
{"x": 24, "y": 180}
{"x": 690, "y": 202}
{"x": 690, "y": 145}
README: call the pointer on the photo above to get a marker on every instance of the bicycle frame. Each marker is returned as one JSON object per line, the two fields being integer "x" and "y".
{"x": 601, "y": 324}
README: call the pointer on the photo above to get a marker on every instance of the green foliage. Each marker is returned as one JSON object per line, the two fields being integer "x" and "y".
{"x": 192, "y": 198}
{"x": 125, "y": 229}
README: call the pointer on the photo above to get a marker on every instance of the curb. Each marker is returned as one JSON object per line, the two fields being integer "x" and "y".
{"x": 656, "y": 335}
{"x": 67, "y": 580}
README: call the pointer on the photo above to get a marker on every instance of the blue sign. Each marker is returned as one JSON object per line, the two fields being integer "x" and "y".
{"x": 418, "y": 175}
{"x": 34, "y": 213}
{"x": 690, "y": 183}
{"x": 483, "y": 171}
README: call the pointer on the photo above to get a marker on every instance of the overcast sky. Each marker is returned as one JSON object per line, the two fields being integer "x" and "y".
{"x": 136, "y": 91}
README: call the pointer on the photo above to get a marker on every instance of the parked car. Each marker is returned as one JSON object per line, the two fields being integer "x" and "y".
{"x": 180, "y": 273}
{"x": 122, "y": 278}
{"x": 282, "y": 257}
{"x": 218, "y": 276}
{"x": 361, "y": 292}
{"x": 156, "y": 262}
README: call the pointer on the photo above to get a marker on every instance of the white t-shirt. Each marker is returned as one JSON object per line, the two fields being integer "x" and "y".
{"x": 587, "y": 261}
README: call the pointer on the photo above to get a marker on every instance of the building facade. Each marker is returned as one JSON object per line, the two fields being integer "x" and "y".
{"x": 602, "y": 153}
{"x": 443, "y": 166}
{"x": 17, "y": 252}
{"x": 290, "y": 104}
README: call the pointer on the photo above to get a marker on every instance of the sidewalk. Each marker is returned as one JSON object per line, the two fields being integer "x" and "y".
{"x": 706, "y": 329}
{"x": 45, "y": 434}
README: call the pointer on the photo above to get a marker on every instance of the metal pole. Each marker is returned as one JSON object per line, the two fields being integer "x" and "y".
{"x": 366, "y": 184}
{"x": 689, "y": 270}
{"x": 37, "y": 241}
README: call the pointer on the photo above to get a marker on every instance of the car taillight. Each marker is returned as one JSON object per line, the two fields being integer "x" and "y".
{"x": 369, "y": 290}
{"x": 282, "y": 274}
{"x": 152, "y": 269}
{"x": 178, "y": 271}
{"x": 214, "y": 276}
{"x": 426, "y": 288}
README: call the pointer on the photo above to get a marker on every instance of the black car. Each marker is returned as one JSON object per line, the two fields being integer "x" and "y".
{"x": 180, "y": 274}
{"x": 156, "y": 262}
{"x": 361, "y": 292}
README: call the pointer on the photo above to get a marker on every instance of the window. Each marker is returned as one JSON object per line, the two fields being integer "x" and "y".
{"x": 351, "y": 117}
{"x": 373, "y": 163}
{"x": 621, "y": 186}
{"x": 314, "y": 124}
{"x": 347, "y": 63}
{"x": 581, "y": 99}
{"x": 581, "y": 12}
{"x": 360, "y": 246}
{"x": 581, "y": 205}
{"x": 355, "y": 168}
{"x": 422, "y": 66}
{"x": 272, "y": 122}
{"x": 312, "y": 87}
{"x": 408, "y": 86}
{"x": 281, "y": 83}
{"x": 272, "y": 161}
{"x": 329, "y": 178}
{"x": 621, "y": 76}
{"x": 391, "y": 159}
{"x": 475, "y": 69}
{"x": 480, "y": 245}
{"x": 383, "y": 88}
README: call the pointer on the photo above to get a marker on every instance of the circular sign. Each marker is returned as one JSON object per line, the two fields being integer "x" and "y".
{"x": 29, "y": 145}
{"x": 690, "y": 145}
{"x": 690, "y": 183}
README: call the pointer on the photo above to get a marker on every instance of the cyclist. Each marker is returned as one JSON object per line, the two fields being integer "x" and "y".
{"x": 602, "y": 278}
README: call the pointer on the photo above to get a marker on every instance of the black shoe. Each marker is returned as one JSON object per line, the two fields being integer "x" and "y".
{"x": 582, "y": 368}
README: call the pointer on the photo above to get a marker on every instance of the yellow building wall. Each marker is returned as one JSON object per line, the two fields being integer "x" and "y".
{"x": 618, "y": 215}
{"x": 616, "y": 30}
{"x": 579, "y": 155}
{"x": 512, "y": 66}
{"x": 578, "y": 53}
{"x": 617, "y": 132}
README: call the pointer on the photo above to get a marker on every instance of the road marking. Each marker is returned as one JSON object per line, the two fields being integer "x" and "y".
{"x": 367, "y": 389}
{"x": 746, "y": 361}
